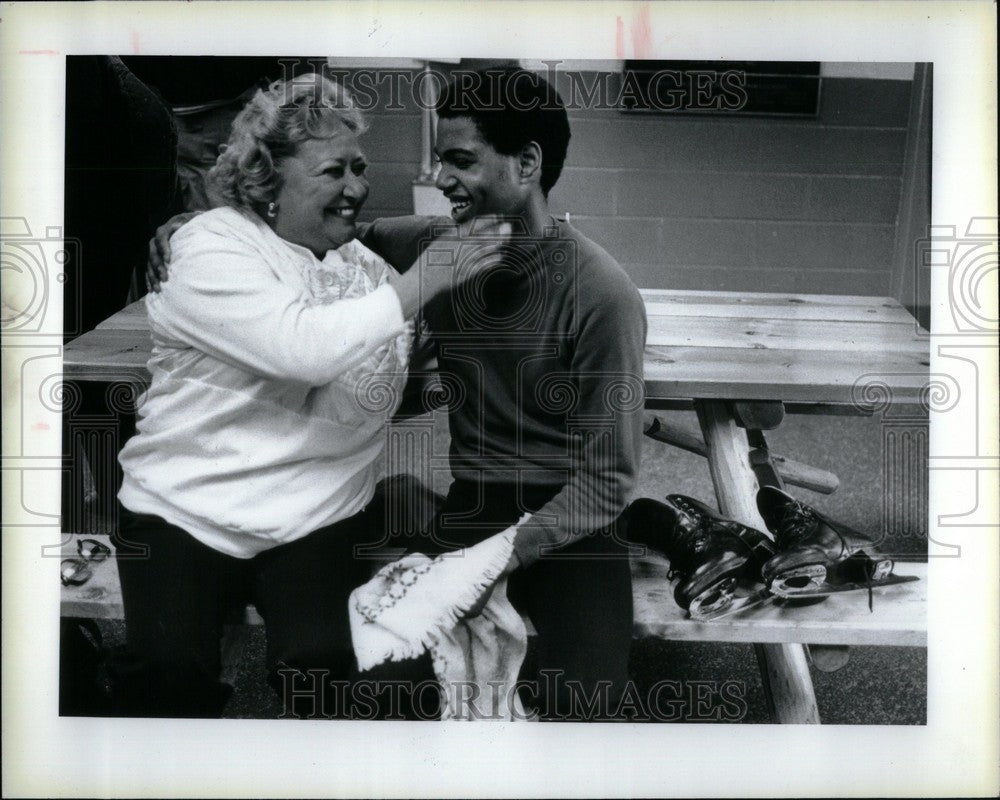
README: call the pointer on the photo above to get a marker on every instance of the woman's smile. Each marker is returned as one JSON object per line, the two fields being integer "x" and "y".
{"x": 323, "y": 188}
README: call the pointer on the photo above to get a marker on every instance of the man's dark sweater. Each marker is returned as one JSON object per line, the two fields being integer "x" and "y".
{"x": 545, "y": 360}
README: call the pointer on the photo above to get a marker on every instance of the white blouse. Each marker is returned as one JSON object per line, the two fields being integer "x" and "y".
{"x": 274, "y": 374}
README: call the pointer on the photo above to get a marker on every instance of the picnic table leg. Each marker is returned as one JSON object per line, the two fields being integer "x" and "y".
{"x": 783, "y": 667}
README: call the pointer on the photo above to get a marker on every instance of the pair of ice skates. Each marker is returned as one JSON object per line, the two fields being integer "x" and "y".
{"x": 715, "y": 558}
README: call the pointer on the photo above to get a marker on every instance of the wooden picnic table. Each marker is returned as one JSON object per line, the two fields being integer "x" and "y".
{"x": 805, "y": 350}
{"x": 712, "y": 351}
{"x": 896, "y": 617}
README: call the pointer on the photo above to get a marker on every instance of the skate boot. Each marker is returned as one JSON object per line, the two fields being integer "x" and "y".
{"x": 818, "y": 556}
{"x": 708, "y": 554}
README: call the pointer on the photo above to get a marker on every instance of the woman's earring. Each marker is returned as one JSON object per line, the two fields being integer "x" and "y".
{"x": 272, "y": 210}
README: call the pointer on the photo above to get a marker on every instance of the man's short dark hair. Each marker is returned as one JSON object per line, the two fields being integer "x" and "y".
{"x": 511, "y": 107}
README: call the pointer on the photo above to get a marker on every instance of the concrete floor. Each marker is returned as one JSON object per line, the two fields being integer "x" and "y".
{"x": 879, "y": 685}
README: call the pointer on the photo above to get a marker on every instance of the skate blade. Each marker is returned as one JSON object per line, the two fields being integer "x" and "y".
{"x": 714, "y": 600}
{"x": 827, "y": 589}
{"x": 860, "y": 568}
{"x": 882, "y": 570}
{"x": 799, "y": 581}
{"x": 737, "y": 605}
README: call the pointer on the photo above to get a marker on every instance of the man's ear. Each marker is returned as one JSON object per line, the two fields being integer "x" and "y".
{"x": 530, "y": 162}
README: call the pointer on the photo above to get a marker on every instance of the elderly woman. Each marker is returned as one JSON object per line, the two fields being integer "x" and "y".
{"x": 253, "y": 460}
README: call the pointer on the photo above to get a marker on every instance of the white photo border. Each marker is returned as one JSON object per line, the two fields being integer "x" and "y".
{"x": 955, "y": 753}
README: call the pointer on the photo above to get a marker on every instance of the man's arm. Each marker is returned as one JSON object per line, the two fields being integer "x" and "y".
{"x": 608, "y": 369}
{"x": 399, "y": 240}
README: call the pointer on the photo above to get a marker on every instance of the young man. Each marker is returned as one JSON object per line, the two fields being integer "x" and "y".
{"x": 548, "y": 354}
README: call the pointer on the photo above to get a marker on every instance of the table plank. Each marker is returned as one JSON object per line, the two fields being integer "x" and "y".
{"x": 131, "y": 318}
{"x": 684, "y": 310}
{"x": 770, "y": 298}
{"x": 802, "y": 307}
{"x": 899, "y": 618}
{"x": 759, "y": 333}
{"x": 726, "y": 345}
{"x": 108, "y": 354}
{"x": 680, "y": 303}
{"x": 101, "y": 596}
{"x": 760, "y": 374}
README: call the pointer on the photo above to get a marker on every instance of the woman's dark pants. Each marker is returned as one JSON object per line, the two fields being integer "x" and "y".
{"x": 178, "y": 594}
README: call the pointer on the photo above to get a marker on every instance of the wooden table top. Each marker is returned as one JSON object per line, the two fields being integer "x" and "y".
{"x": 820, "y": 349}
{"x": 898, "y": 618}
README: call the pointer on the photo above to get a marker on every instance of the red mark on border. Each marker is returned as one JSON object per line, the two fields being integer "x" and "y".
{"x": 38, "y": 52}
{"x": 136, "y": 44}
{"x": 642, "y": 38}
{"x": 619, "y": 38}
{"x": 40, "y": 426}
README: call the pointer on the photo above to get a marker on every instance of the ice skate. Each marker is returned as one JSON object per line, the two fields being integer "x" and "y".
{"x": 708, "y": 555}
{"x": 818, "y": 557}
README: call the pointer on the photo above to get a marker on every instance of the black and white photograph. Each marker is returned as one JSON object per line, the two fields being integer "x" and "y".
{"x": 623, "y": 396}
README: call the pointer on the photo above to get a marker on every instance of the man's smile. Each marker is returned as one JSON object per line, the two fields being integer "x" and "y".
{"x": 460, "y": 203}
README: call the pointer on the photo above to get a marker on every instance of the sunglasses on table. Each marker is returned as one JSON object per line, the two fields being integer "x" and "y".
{"x": 77, "y": 571}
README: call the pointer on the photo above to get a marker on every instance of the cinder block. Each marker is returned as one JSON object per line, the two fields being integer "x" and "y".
{"x": 756, "y": 196}
{"x": 658, "y": 143}
{"x": 803, "y": 148}
{"x": 854, "y": 199}
{"x": 625, "y": 239}
{"x": 709, "y": 242}
{"x": 590, "y": 192}
{"x": 642, "y": 193}
{"x": 393, "y": 139}
{"x": 390, "y": 185}
{"x": 812, "y": 246}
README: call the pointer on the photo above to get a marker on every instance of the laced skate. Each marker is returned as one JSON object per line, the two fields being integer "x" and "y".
{"x": 818, "y": 557}
{"x": 709, "y": 556}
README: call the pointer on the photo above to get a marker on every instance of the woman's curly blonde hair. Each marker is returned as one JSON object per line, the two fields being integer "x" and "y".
{"x": 271, "y": 127}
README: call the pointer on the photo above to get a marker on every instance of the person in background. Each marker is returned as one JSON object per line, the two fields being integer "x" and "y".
{"x": 204, "y": 95}
{"x": 120, "y": 184}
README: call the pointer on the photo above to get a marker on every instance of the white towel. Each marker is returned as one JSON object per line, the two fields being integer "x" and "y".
{"x": 418, "y": 603}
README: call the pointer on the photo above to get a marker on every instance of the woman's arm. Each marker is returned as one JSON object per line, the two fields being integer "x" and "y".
{"x": 224, "y": 300}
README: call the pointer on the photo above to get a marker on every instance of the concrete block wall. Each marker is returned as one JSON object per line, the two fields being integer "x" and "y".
{"x": 713, "y": 202}
{"x": 744, "y": 204}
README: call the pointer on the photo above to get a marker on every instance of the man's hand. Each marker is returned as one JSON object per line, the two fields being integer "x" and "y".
{"x": 477, "y": 608}
{"x": 159, "y": 249}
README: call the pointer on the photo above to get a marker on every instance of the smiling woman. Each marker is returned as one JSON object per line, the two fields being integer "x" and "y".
{"x": 254, "y": 464}
{"x": 294, "y": 159}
